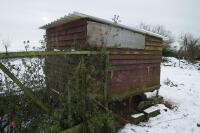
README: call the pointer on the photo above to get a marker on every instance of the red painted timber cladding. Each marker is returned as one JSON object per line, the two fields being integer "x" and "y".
{"x": 130, "y": 71}
{"x": 133, "y": 72}
{"x": 68, "y": 35}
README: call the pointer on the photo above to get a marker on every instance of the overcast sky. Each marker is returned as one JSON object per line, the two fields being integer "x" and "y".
{"x": 20, "y": 19}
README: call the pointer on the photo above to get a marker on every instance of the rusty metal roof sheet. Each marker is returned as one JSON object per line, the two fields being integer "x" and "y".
{"x": 76, "y": 15}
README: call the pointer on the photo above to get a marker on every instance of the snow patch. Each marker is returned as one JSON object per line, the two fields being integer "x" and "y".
{"x": 185, "y": 94}
{"x": 151, "y": 109}
{"x": 137, "y": 115}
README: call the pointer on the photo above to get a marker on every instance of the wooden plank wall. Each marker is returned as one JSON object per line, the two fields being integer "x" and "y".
{"x": 135, "y": 70}
{"x": 67, "y": 36}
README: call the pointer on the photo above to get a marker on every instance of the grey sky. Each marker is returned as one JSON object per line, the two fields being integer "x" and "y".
{"x": 20, "y": 19}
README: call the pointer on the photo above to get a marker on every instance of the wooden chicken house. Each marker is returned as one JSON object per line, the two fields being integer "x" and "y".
{"x": 134, "y": 54}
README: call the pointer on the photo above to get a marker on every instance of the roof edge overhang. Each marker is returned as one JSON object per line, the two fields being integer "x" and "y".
{"x": 76, "y": 16}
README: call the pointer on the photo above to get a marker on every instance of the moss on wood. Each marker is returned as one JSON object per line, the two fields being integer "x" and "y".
{"x": 145, "y": 104}
{"x": 43, "y": 54}
{"x": 65, "y": 53}
{"x": 138, "y": 119}
{"x": 132, "y": 92}
{"x": 153, "y": 113}
{"x": 74, "y": 129}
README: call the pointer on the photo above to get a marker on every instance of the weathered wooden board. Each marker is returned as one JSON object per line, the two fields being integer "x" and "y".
{"x": 111, "y": 36}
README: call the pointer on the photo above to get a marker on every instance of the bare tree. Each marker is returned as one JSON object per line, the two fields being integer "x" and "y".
{"x": 160, "y": 29}
{"x": 190, "y": 46}
{"x": 26, "y": 45}
{"x": 5, "y": 44}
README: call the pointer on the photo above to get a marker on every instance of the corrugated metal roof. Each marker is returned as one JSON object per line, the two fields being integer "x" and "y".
{"x": 76, "y": 15}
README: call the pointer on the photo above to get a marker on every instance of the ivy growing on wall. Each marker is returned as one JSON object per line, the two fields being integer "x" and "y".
{"x": 84, "y": 82}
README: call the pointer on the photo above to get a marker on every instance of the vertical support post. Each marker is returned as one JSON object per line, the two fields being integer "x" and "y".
{"x": 69, "y": 104}
{"x": 157, "y": 93}
{"x": 106, "y": 80}
{"x": 130, "y": 105}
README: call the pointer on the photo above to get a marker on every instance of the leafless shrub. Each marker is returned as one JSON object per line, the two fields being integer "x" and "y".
{"x": 168, "y": 82}
{"x": 116, "y": 19}
{"x": 190, "y": 46}
{"x": 26, "y": 45}
{"x": 161, "y": 30}
{"x": 6, "y": 44}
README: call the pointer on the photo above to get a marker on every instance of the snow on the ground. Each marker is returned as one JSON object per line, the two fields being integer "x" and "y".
{"x": 180, "y": 85}
{"x": 27, "y": 70}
